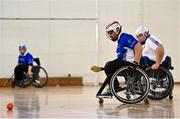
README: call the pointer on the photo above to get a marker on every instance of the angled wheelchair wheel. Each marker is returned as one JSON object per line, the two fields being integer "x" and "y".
{"x": 133, "y": 85}
{"x": 25, "y": 82}
{"x": 40, "y": 77}
{"x": 161, "y": 83}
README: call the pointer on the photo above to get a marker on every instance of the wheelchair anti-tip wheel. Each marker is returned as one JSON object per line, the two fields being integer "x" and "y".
{"x": 101, "y": 101}
{"x": 146, "y": 101}
{"x": 133, "y": 85}
{"x": 161, "y": 83}
{"x": 170, "y": 97}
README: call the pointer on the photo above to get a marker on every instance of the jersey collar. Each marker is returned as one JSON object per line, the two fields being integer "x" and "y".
{"x": 119, "y": 35}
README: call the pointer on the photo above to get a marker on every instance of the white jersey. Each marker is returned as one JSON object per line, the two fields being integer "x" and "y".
{"x": 149, "y": 48}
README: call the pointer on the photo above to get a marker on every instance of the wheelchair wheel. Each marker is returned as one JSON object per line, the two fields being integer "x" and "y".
{"x": 39, "y": 74}
{"x": 133, "y": 85}
{"x": 25, "y": 82}
{"x": 161, "y": 83}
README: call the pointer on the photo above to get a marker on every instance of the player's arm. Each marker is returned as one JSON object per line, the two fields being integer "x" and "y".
{"x": 132, "y": 43}
{"x": 158, "y": 47}
{"x": 137, "y": 53}
{"x": 30, "y": 64}
{"x": 29, "y": 69}
{"x": 159, "y": 53}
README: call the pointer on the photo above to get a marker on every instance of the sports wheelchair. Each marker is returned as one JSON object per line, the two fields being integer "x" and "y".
{"x": 39, "y": 73}
{"x": 161, "y": 80}
{"x": 133, "y": 85}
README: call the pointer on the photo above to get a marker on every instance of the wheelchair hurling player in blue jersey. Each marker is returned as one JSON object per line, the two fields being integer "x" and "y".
{"x": 126, "y": 80}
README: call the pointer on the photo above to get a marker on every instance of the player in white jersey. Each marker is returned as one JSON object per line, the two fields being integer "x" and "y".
{"x": 153, "y": 50}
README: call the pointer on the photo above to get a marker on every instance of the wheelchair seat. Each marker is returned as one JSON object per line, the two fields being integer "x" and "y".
{"x": 146, "y": 62}
{"x": 168, "y": 63}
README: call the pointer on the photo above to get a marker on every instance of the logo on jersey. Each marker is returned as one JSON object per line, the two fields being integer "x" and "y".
{"x": 129, "y": 40}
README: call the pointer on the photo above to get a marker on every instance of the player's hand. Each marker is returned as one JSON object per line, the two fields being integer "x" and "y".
{"x": 155, "y": 66}
{"x": 96, "y": 68}
{"x": 30, "y": 73}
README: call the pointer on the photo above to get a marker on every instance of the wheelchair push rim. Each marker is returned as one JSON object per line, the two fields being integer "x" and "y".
{"x": 161, "y": 83}
{"x": 134, "y": 85}
{"x": 41, "y": 76}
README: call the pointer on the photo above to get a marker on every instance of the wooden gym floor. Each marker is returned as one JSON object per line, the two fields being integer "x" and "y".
{"x": 80, "y": 102}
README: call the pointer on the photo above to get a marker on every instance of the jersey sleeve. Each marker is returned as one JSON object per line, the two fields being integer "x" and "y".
{"x": 120, "y": 51}
{"x": 129, "y": 41}
{"x": 153, "y": 43}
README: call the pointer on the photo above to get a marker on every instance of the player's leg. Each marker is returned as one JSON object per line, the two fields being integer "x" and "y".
{"x": 19, "y": 73}
{"x": 110, "y": 68}
{"x": 146, "y": 62}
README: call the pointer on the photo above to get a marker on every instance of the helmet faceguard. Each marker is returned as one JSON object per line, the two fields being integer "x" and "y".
{"x": 22, "y": 47}
{"x": 112, "y": 27}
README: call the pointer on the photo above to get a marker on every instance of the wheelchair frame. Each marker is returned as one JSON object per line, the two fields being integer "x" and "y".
{"x": 30, "y": 79}
{"x": 99, "y": 93}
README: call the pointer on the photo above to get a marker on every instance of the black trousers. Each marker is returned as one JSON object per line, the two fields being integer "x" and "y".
{"x": 112, "y": 66}
{"x": 146, "y": 62}
{"x": 19, "y": 71}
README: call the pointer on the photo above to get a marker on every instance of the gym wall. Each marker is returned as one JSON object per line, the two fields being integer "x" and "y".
{"x": 69, "y": 44}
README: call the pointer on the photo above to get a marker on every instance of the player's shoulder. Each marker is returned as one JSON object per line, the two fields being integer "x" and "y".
{"x": 153, "y": 39}
{"x": 28, "y": 54}
{"x": 126, "y": 35}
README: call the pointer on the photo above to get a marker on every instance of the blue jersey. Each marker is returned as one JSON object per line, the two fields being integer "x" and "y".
{"x": 125, "y": 48}
{"x": 26, "y": 59}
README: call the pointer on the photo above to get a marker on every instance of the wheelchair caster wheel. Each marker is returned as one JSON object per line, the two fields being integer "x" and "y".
{"x": 12, "y": 85}
{"x": 146, "y": 101}
{"x": 101, "y": 101}
{"x": 153, "y": 87}
{"x": 170, "y": 97}
{"x": 128, "y": 97}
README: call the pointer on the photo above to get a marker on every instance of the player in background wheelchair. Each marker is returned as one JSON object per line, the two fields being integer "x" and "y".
{"x": 156, "y": 63}
{"x": 25, "y": 64}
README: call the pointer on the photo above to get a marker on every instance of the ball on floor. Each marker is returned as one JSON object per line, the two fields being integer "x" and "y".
{"x": 10, "y": 106}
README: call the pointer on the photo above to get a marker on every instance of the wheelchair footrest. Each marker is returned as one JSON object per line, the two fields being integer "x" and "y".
{"x": 103, "y": 96}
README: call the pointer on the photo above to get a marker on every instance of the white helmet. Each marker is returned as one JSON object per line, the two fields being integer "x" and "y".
{"x": 141, "y": 31}
{"x": 112, "y": 27}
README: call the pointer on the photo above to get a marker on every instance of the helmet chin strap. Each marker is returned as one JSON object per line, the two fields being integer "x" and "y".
{"x": 143, "y": 42}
